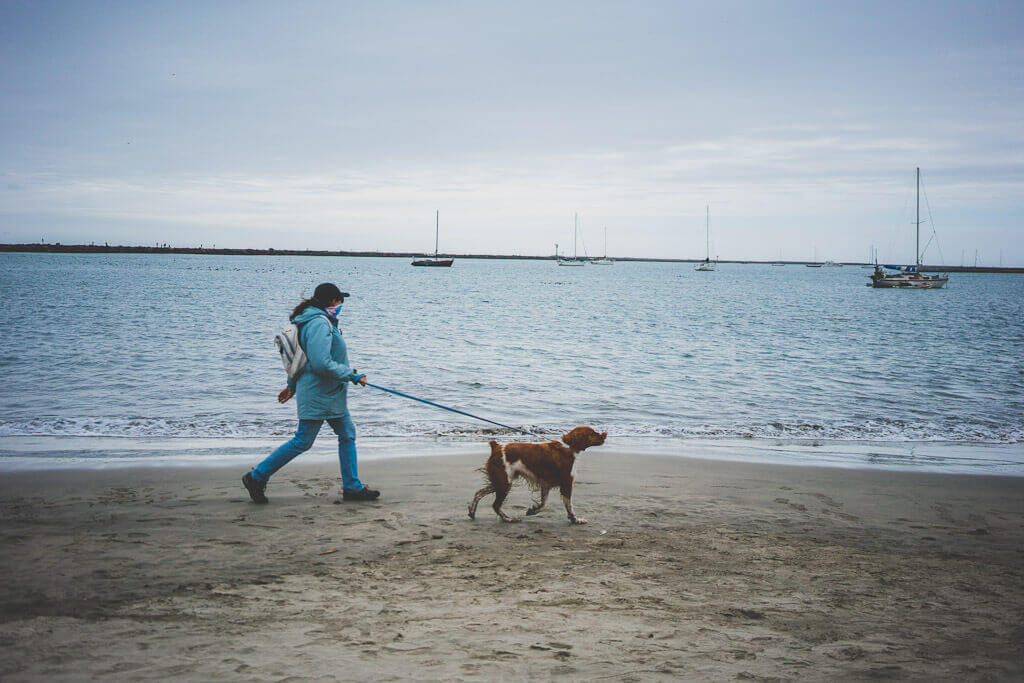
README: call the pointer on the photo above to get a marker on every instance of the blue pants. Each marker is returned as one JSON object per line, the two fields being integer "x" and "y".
{"x": 304, "y": 437}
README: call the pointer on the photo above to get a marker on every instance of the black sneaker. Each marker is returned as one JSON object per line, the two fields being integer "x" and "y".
{"x": 256, "y": 489}
{"x": 364, "y": 493}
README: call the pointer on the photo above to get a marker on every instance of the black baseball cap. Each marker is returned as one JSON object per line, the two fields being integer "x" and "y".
{"x": 327, "y": 292}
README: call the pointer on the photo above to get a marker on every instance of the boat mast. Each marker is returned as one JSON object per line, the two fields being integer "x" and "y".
{"x": 707, "y": 232}
{"x": 917, "y": 244}
{"x": 575, "y": 225}
{"x": 606, "y": 247}
{"x": 437, "y": 227}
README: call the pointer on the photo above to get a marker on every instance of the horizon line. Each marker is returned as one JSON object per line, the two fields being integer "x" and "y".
{"x": 59, "y": 248}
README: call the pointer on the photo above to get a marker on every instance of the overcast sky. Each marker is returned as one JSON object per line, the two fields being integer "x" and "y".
{"x": 345, "y": 125}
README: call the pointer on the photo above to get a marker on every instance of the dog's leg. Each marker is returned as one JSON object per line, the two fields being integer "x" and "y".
{"x": 500, "y": 491}
{"x": 566, "y": 489}
{"x": 501, "y": 479}
{"x": 476, "y": 499}
{"x": 535, "y": 508}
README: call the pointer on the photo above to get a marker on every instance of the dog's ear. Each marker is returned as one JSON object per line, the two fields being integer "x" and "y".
{"x": 572, "y": 439}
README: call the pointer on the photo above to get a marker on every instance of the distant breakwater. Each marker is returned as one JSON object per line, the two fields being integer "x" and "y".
{"x": 58, "y": 248}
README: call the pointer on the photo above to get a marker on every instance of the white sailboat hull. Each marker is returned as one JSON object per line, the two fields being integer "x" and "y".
{"x": 909, "y": 277}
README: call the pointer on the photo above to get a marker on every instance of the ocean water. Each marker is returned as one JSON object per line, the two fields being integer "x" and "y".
{"x": 156, "y": 354}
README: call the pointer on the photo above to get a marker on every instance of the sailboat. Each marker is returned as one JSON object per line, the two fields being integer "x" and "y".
{"x": 436, "y": 260}
{"x": 908, "y": 277}
{"x": 575, "y": 260}
{"x": 707, "y": 265}
{"x": 604, "y": 260}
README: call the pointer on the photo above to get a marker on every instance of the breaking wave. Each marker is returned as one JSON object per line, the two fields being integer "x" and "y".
{"x": 947, "y": 430}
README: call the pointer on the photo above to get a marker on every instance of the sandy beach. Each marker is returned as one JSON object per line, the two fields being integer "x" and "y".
{"x": 688, "y": 569}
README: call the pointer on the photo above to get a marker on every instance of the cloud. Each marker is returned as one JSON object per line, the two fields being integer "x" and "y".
{"x": 785, "y": 170}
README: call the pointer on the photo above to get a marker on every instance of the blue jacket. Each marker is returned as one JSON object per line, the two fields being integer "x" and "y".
{"x": 321, "y": 389}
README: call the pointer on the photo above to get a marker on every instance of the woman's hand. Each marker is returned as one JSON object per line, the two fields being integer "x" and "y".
{"x": 361, "y": 380}
{"x": 285, "y": 395}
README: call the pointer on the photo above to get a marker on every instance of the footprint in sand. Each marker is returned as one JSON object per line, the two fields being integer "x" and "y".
{"x": 843, "y": 515}
{"x": 795, "y": 506}
{"x": 825, "y": 499}
{"x": 503, "y": 654}
{"x": 944, "y": 513}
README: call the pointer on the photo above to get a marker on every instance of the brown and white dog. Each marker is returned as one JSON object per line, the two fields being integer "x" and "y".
{"x": 543, "y": 465}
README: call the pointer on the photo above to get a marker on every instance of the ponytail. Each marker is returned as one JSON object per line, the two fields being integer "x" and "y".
{"x": 303, "y": 305}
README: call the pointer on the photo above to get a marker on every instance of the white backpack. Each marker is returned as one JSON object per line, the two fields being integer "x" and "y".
{"x": 293, "y": 357}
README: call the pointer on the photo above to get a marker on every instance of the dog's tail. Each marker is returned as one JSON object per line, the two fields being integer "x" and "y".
{"x": 495, "y": 449}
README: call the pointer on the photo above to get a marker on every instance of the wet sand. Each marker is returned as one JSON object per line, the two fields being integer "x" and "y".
{"x": 688, "y": 569}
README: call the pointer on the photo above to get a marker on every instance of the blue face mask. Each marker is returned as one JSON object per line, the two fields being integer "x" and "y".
{"x": 334, "y": 311}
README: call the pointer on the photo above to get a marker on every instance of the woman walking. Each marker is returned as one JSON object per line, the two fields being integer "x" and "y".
{"x": 322, "y": 390}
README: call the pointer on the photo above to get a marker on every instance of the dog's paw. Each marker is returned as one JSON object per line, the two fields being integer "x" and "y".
{"x": 509, "y": 520}
{"x": 532, "y": 511}
{"x": 578, "y": 520}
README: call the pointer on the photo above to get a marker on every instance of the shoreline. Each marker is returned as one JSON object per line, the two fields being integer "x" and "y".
{"x": 42, "y": 453}
{"x": 693, "y": 569}
{"x": 230, "y": 251}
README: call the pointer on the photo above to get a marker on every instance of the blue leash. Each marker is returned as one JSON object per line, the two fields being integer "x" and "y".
{"x": 454, "y": 410}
